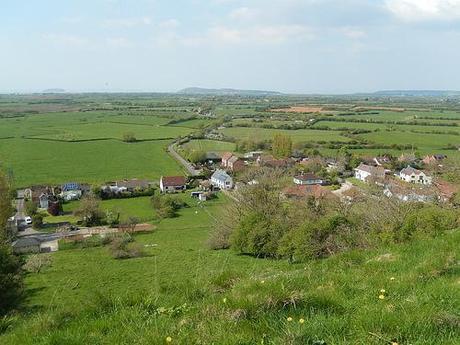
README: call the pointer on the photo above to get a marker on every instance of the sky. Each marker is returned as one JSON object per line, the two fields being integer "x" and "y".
{"x": 293, "y": 46}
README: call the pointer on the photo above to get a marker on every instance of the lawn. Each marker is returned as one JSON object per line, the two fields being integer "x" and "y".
{"x": 300, "y": 135}
{"x": 209, "y": 145}
{"x": 194, "y": 295}
{"x": 38, "y": 161}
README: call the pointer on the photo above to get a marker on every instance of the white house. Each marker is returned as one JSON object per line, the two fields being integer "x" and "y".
{"x": 363, "y": 172}
{"x": 307, "y": 179}
{"x": 412, "y": 175}
{"x": 222, "y": 180}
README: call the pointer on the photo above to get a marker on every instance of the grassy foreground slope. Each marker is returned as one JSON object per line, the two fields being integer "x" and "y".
{"x": 184, "y": 291}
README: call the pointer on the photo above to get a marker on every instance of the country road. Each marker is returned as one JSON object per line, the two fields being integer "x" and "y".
{"x": 189, "y": 167}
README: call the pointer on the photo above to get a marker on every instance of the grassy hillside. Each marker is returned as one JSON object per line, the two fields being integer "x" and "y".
{"x": 184, "y": 291}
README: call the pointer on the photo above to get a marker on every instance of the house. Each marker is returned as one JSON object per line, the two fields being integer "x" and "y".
{"x": 71, "y": 191}
{"x": 43, "y": 201}
{"x": 35, "y": 192}
{"x": 412, "y": 175}
{"x": 221, "y": 180}
{"x": 305, "y": 191}
{"x": 308, "y": 179}
{"x": 235, "y": 164}
{"x": 71, "y": 186}
{"x": 172, "y": 184}
{"x": 225, "y": 158}
{"x": 134, "y": 185}
{"x": 364, "y": 172}
{"x": 433, "y": 159}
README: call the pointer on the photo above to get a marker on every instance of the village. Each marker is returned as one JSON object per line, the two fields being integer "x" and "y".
{"x": 405, "y": 178}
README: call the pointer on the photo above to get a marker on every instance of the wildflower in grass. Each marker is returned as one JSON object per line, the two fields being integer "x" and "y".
{"x": 392, "y": 278}
{"x": 262, "y": 281}
{"x": 168, "y": 339}
{"x": 394, "y": 343}
{"x": 301, "y": 321}
{"x": 381, "y": 296}
{"x": 382, "y": 291}
{"x": 224, "y": 300}
{"x": 289, "y": 319}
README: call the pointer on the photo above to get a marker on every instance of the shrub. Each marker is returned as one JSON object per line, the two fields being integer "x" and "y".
{"x": 11, "y": 279}
{"x": 35, "y": 263}
{"x": 129, "y": 137}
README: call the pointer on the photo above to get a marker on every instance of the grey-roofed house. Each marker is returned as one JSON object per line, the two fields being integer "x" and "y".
{"x": 26, "y": 245}
{"x": 221, "y": 180}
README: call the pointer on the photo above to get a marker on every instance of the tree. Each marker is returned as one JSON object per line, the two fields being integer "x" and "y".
{"x": 282, "y": 146}
{"x": 90, "y": 211}
{"x": 37, "y": 221}
{"x": 30, "y": 208}
{"x": 10, "y": 265}
{"x": 129, "y": 137}
{"x": 197, "y": 156}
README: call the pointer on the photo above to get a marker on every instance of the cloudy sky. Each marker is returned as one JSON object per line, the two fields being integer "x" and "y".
{"x": 302, "y": 46}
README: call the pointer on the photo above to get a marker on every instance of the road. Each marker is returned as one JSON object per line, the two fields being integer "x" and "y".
{"x": 187, "y": 165}
{"x": 343, "y": 188}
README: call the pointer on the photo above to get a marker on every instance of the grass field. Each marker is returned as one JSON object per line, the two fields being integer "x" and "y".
{"x": 209, "y": 145}
{"x": 184, "y": 291}
{"x": 37, "y": 161}
{"x": 296, "y": 135}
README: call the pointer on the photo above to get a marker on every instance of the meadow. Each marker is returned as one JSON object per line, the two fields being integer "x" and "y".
{"x": 209, "y": 146}
{"x": 300, "y": 135}
{"x": 185, "y": 291}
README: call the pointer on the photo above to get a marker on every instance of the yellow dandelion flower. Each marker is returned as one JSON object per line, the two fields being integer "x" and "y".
{"x": 392, "y": 278}
{"x": 224, "y": 300}
{"x": 381, "y": 296}
{"x": 289, "y": 319}
{"x": 382, "y": 291}
{"x": 301, "y": 321}
{"x": 262, "y": 281}
{"x": 168, "y": 339}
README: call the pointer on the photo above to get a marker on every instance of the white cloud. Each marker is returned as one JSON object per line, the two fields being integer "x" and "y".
{"x": 421, "y": 10}
{"x": 126, "y": 22}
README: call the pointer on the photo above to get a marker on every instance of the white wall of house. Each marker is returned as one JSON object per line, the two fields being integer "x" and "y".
{"x": 362, "y": 175}
{"x": 227, "y": 184}
{"x": 421, "y": 178}
{"x": 307, "y": 182}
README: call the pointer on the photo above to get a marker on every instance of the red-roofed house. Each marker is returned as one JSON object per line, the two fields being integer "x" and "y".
{"x": 172, "y": 184}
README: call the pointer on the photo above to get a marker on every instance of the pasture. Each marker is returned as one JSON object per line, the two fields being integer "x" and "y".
{"x": 300, "y": 135}
{"x": 209, "y": 146}
{"x": 183, "y": 290}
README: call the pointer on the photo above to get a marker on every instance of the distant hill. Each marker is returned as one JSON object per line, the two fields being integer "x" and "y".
{"x": 226, "y": 92}
{"x": 53, "y": 91}
{"x": 417, "y": 93}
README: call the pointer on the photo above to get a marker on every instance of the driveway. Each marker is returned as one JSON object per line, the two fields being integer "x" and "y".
{"x": 343, "y": 188}
{"x": 187, "y": 165}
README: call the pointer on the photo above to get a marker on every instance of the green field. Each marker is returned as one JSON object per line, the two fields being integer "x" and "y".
{"x": 194, "y": 295}
{"x": 209, "y": 146}
{"x": 300, "y": 135}
{"x": 38, "y": 161}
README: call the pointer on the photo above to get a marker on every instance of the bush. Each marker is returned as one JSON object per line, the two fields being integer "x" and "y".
{"x": 129, "y": 137}
{"x": 37, "y": 221}
{"x": 35, "y": 263}
{"x": 11, "y": 279}
{"x": 123, "y": 248}
{"x": 167, "y": 206}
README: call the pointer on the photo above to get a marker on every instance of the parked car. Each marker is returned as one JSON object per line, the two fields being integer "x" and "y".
{"x": 28, "y": 220}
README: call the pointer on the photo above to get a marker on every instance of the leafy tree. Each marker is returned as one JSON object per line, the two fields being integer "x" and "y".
{"x": 90, "y": 211}
{"x": 10, "y": 265}
{"x": 129, "y": 137}
{"x": 166, "y": 206}
{"x": 197, "y": 156}
{"x": 282, "y": 146}
{"x": 30, "y": 208}
{"x": 37, "y": 221}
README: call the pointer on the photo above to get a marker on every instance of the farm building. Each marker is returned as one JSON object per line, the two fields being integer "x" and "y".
{"x": 412, "y": 175}
{"x": 172, "y": 184}
{"x": 26, "y": 245}
{"x": 308, "y": 179}
{"x": 221, "y": 180}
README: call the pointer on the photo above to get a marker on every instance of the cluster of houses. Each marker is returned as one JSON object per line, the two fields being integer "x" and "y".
{"x": 410, "y": 183}
{"x": 46, "y": 196}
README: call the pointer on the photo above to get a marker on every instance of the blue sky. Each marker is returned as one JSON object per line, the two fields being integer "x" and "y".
{"x": 301, "y": 46}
